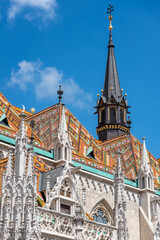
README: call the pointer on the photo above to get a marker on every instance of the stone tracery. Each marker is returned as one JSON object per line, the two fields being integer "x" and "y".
{"x": 65, "y": 189}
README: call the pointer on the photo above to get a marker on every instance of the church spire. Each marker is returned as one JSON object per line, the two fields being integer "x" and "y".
{"x": 63, "y": 143}
{"x": 144, "y": 157}
{"x": 111, "y": 83}
{"x": 145, "y": 173}
{"x": 62, "y": 126}
{"x": 112, "y": 108}
{"x": 21, "y": 148}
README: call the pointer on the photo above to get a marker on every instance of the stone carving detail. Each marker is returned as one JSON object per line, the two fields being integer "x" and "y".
{"x": 157, "y": 230}
{"x": 84, "y": 196}
{"x": 66, "y": 189}
{"x": 55, "y": 222}
{"x": 65, "y": 225}
{"x": 120, "y": 203}
{"x": 18, "y": 215}
{"x": 94, "y": 231}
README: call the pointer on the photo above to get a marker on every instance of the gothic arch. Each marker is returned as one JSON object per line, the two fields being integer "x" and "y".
{"x": 65, "y": 179}
{"x": 105, "y": 207}
{"x": 19, "y": 188}
{"x": 9, "y": 187}
{"x": 66, "y": 152}
{"x": 66, "y": 188}
{"x": 34, "y": 236}
{"x": 30, "y": 187}
{"x": 58, "y": 151}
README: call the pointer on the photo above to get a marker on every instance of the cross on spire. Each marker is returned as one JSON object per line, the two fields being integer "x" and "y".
{"x": 110, "y": 9}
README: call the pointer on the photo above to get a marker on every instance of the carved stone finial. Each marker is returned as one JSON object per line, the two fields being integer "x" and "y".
{"x": 60, "y": 93}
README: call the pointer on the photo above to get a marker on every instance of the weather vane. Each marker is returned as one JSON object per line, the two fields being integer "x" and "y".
{"x": 110, "y": 17}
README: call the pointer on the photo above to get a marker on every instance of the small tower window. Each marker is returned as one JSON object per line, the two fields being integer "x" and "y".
{"x": 122, "y": 116}
{"x": 102, "y": 118}
{"x": 65, "y": 153}
{"x": 59, "y": 153}
{"x": 113, "y": 115}
{"x": 149, "y": 183}
{"x": 143, "y": 183}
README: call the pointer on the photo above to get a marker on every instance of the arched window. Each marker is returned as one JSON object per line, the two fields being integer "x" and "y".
{"x": 113, "y": 115}
{"x": 100, "y": 216}
{"x": 122, "y": 116}
{"x": 103, "y": 213}
{"x": 143, "y": 183}
{"x": 59, "y": 153}
{"x": 65, "y": 153}
{"x": 103, "y": 118}
{"x": 149, "y": 183}
{"x": 66, "y": 189}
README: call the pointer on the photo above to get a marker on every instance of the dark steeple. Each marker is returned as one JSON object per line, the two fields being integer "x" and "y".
{"x": 112, "y": 107}
{"x": 111, "y": 83}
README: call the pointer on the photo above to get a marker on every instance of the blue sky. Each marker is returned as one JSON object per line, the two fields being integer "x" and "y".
{"x": 47, "y": 42}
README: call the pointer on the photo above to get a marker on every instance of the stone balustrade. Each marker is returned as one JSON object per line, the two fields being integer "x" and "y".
{"x": 55, "y": 225}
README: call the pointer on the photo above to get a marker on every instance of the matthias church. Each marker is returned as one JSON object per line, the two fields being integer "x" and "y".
{"x": 57, "y": 182}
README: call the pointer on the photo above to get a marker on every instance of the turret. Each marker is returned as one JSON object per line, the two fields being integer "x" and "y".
{"x": 63, "y": 143}
{"x": 21, "y": 148}
{"x": 145, "y": 174}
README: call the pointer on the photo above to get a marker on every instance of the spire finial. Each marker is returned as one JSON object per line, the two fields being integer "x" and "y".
{"x": 60, "y": 93}
{"x": 144, "y": 157}
{"x": 62, "y": 125}
{"x": 110, "y": 17}
{"x": 32, "y": 125}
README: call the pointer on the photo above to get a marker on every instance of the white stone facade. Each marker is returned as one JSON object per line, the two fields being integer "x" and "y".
{"x": 120, "y": 211}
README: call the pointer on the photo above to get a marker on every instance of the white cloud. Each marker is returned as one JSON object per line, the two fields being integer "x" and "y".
{"x": 45, "y": 82}
{"x": 44, "y": 9}
{"x": 26, "y": 74}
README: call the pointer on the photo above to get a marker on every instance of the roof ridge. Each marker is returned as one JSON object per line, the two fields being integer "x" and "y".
{"x": 113, "y": 139}
{"x": 27, "y": 112}
{"x": 94, "y": 161}
{"x": 42, "y": 111}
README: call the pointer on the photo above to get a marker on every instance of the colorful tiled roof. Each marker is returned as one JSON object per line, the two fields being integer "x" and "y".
{"x": 47, "y": 122}
{"x": 46, "y": 128}
{"x": 12, "y": 115}
{"x": 19, "y": 110}
{"x": 131, "y": 149}
{"x": 104, "y": 153}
